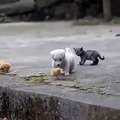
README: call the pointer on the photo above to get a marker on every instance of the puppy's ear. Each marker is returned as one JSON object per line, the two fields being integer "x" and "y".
{"x": 52, "y": 55}
{"x": 63, "y": 55}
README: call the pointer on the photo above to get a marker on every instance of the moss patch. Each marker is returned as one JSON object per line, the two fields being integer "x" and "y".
{"x": 35, "y": 79}
{"x": 115, "y": 20}
{"x": 96, "y": 21}
{"x": 5, "y": 19}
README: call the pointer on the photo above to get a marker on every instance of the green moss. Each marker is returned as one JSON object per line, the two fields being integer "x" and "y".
{"x": 95, "y": 21}
{"x": 88, "y": 21}
{"x": 54, "y": 108}
{"x": 115, "y": 20}
{"x": 47, "y": 109}
{"x": 5, "y": 19}
{"x": 35, "y": 79}
{"x": 100, "y": 113}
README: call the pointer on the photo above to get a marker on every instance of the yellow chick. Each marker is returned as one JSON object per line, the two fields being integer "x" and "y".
{"x": 56, "y": 72}
{"x": 4, "y": 66}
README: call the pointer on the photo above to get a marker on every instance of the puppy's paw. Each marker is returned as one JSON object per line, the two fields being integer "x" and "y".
{"x": 67, "y": 74}
{"x": 62, "y": 72}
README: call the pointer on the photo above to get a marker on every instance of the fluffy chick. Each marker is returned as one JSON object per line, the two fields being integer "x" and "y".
{"x": 56, "y": 72}
{"x": 4, "y": 66}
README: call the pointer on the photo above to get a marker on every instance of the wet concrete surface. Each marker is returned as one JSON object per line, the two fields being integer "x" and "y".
{"x": 27, "y": 45}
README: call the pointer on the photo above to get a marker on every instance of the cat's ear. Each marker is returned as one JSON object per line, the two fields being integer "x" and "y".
{"x": 74, "y": 48}
{"x": 81, "y": 48}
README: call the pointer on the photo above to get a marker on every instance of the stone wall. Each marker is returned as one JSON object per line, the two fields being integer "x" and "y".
{"x": 16, "y": 6}
{"x": 21, "y": 6}
{"x": 40, "y": 10}
{"x": 115, "y": 7}
{"x": 3, "y": 2}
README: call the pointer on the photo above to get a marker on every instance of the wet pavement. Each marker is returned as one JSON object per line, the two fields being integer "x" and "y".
{"x": 27, "y": 46}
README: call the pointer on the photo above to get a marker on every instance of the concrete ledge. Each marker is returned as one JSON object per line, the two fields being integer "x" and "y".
{"x": 22, "y": 101}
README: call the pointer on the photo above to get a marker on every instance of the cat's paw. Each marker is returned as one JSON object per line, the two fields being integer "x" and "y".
{"x": 93, "y": 64}
{"x": 80, "y": 63}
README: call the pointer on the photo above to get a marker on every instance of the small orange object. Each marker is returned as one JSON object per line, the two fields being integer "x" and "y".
{"x": 4, "y": 67}
{"x": 56, "y": 72}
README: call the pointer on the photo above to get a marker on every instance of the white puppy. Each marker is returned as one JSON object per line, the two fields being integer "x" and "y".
{"x": 63, "y": 59}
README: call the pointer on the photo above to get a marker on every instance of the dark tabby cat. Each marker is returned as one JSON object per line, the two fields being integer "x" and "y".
{"x": 88, "y": 55}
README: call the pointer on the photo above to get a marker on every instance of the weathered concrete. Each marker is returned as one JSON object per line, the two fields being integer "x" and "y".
{"x": 22, "y": 101}
{"x": 93, "y": 92}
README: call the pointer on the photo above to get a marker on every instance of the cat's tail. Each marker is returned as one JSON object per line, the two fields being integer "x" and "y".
{"x": 101, "y": 58}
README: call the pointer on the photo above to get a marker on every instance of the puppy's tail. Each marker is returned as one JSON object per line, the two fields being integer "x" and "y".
{"x": 68, "y": 50}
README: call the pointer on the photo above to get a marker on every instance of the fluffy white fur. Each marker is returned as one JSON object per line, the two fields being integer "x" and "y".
{"x": 63, "y": 59}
